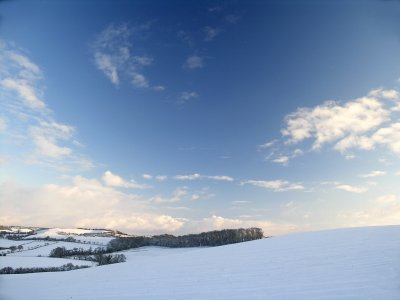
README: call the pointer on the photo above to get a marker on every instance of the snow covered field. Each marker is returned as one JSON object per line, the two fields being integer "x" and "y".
{"x": 95, "y": 237}
{"x": 31, "y": 262}
{"x": 358, "y": 263}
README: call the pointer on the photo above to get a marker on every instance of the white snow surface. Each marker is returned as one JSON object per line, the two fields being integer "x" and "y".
{"x": 30, "y": 262}
{"x": 92, "y": 236}
{"x": 356, "y": 263}
{"x": 43, "y": 248}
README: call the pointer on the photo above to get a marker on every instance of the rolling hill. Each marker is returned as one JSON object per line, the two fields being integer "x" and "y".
{"x": 355, "y": 263}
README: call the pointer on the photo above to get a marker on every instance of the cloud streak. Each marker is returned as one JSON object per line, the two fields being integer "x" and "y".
{"x": 274, "y": 185}
{"x": 351, "y": 188}
{"x": 197, "y": 176}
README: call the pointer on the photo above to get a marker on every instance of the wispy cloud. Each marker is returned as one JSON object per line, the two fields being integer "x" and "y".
{"x": 113, "y": 55}
{"x": 186, "y": 96}
{"x": 211, "y": 33}
{"x": 221, "y": 178}
{"x": 188, "y": 177}
{"x": 267, "y": 145}
{"x": 19, "y": 75}
{"x": 351, "y": 188}
{"x": 232, "y": 19}
{"x": 274, "y": 185}
{"x": 194, "y": 62}
{"x": 214, "y": 9}
{"x": 46, "y": 137}
{"x": 161, "y": 177}
{"x": 25, "y": 90}
{"x": 157, "y": 177}
{"x": 3, "y": 125}
{"x": 197, "y": 176}
{"x": 178, "y": 195}
{"x": 281, "y": 160}
{"x": 374, "y": 174}
{"x": 43, "y": 140}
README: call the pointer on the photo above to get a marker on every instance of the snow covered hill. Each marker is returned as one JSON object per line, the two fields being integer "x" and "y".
{"x": 357, "y": 263}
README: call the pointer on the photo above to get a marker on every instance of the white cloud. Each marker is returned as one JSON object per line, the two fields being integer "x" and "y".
{"x": 114, "y": 180}
{"x": 188, "y": 177}
{"x": 351, "y": 188}
{"x": 210, "y": 33}
{"x": 194, "y": 62}
{"x": 389, "y": 136}
{"x": 382, "y": 93}
{"x": 331, "y": 121}
{"x": 281, "y": 160}
{"x": 363, "y": 123}
{"x": 275, "y": 185}
{"x": 147, "y": 176}
{"x": 221, "y": 178}
{"x": 112, "y": 54}
{"x": 374, "y": 174}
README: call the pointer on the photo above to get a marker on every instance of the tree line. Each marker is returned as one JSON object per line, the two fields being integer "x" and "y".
{"x": 98, "y": 255}
{"x": 66, "y": 267}
{"x": 204, "y": 239}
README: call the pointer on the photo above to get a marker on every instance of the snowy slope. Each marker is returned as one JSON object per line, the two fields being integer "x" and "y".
{"x": 93, "y": 236}
{"x": 43, "y": 248}
{"x": 31, "y": 262}
{"x": 358, "y": 263}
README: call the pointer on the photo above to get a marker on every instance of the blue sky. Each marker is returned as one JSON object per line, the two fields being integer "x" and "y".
{"x": 185, "y": 116}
